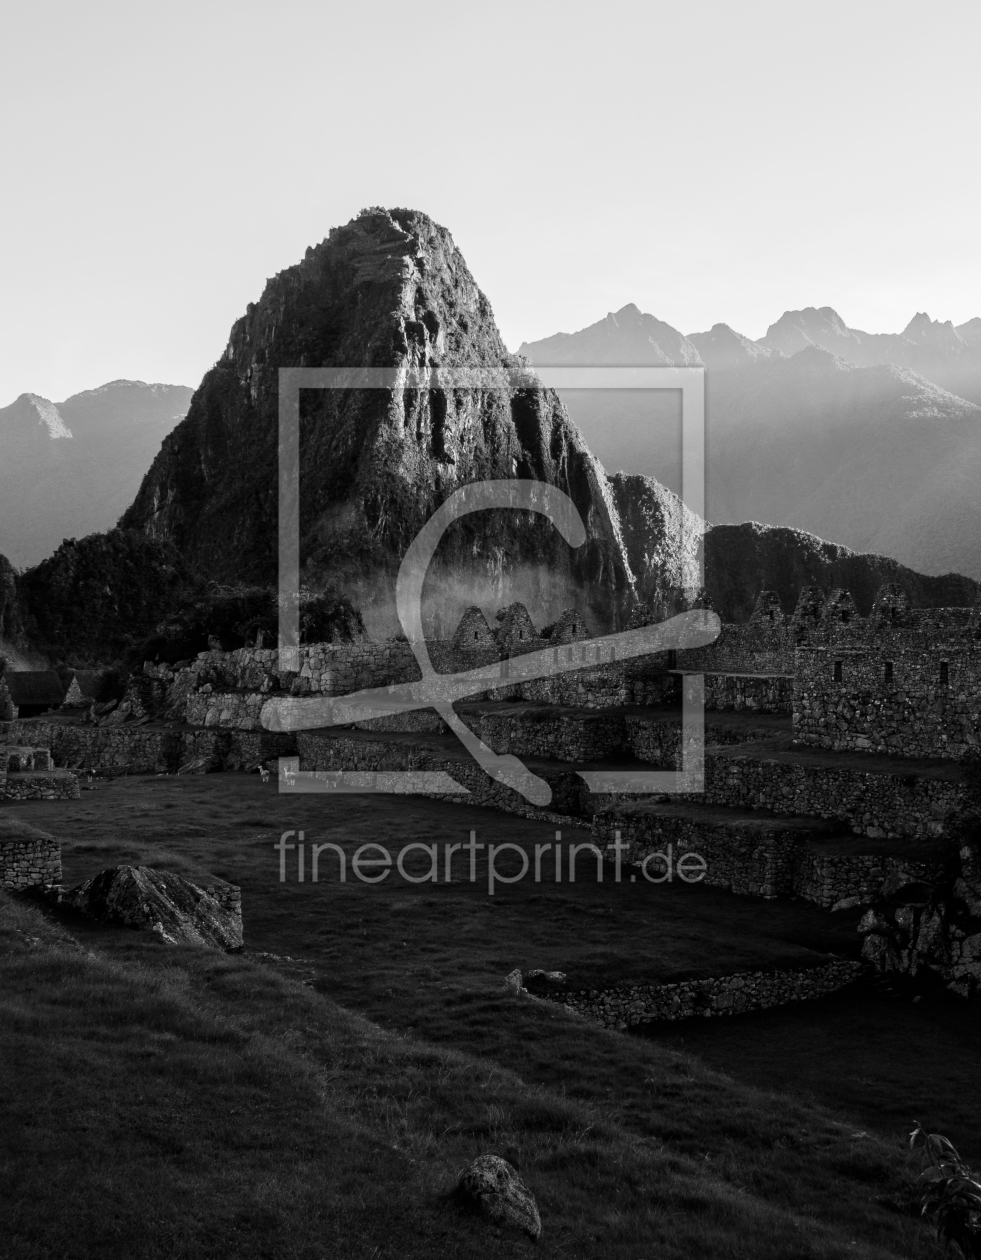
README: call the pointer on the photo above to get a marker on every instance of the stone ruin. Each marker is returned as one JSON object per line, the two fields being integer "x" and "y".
{"x": 839, "y": 761}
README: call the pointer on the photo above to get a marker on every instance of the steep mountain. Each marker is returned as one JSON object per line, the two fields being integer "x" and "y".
{"x": 876, "y": 457}
{"x": 390, "y": 289}
{"x": 660, "y": 534}
{"x": 70, "y": 468}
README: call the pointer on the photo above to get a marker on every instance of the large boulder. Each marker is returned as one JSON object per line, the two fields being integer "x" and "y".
{"x": 177, "y": 910}
{"x": 493, "y": 1187}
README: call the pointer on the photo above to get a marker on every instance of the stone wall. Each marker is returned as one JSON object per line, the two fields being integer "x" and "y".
{"x": 659, "y": 741}
{"x": 761, "y": 856}
{"x": 762, "y": 693}
{"x": 626, "y": 1006}
{"x": 321, "y": 751}
{"x": 39, "y": 785}
{"x": 29, "y": 860}
{"x": 753, "y": 647}
{"x": 753, "y": 856}
{"x": 873, "y": 799}
{"x": 840, "y": 880}
{"x": 150, "y": 749}
{"x": 901, "y": 681}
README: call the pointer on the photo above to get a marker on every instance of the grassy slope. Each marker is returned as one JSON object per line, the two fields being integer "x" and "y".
{"x": 240, "y": 1103}
{"x": 180, "y": 1102}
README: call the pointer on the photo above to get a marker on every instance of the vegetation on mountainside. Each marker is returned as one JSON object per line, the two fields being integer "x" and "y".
{"x": 10, "y": 627}
{"x": 96, "y": 598}
{"x": 122, "y": 598}
{"x": 234, "y": 617}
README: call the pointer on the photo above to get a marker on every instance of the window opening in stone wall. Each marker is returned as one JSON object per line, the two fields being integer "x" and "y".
{"x": 837, "y": 671}
{"x": 944, "y": 674}
{"x": 771, "y": 614}
{"x": 476, "y": 635}
{"x": 888, "y": 671}
{"x": 672, "y": 658}
{"x": 844, "y": 616}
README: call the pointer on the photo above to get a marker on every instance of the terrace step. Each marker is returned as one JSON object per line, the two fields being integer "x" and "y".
{"x": 761, "y": 854}
{"x": 877, "y": 796}
{"x": 573, "y": 734}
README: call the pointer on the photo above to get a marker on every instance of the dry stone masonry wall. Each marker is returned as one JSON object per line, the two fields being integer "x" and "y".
{"x": 761, "y": 856}
{"x": 28, "y": 860}
{"x": 877, "y": 801}
{"x": 27, "y": 774}
{"x": 626, "y": 1006}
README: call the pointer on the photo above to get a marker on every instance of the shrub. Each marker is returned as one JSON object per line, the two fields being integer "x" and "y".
{"x": 952, "y": 1198}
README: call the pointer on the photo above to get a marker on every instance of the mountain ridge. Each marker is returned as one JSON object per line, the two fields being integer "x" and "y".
{"x": 68, "y": 469}
{"x": 876, "y": 456}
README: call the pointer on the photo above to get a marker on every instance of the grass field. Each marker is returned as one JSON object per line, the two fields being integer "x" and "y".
{"x": 777, "y": 1134}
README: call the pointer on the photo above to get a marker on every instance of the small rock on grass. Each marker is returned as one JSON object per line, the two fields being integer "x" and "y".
{"x": 493, "y": 1186}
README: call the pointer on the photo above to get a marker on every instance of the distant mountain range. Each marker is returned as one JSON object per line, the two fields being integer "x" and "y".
{"x": 391, "y": 289}
{"x": 870, "y": 440}
{"x": 815, "y": 429}
{"x": 71, "y": 468}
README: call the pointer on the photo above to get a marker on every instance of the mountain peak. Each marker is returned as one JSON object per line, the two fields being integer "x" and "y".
{"x": 629, "y": 312}
{"x": 628, "y": 337}
{"x": 811, "y": 326}
{"x": 389, "y": 289}
{"x": 41, "y": 411}
{"x": 723, "y": 347}
{"x": 921, "y": 328}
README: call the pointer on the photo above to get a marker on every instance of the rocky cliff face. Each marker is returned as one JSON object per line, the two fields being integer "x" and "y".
{"x": 390, "y": 289}
{"x": 662, "y": 538}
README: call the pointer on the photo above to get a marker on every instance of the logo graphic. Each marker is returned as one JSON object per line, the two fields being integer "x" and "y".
{"x": 439, "y": 691}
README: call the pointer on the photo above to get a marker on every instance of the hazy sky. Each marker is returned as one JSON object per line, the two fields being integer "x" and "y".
{"x": 706, "y": 161}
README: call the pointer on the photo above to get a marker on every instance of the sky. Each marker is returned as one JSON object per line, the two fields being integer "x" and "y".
{"x": 708, "y": 161}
